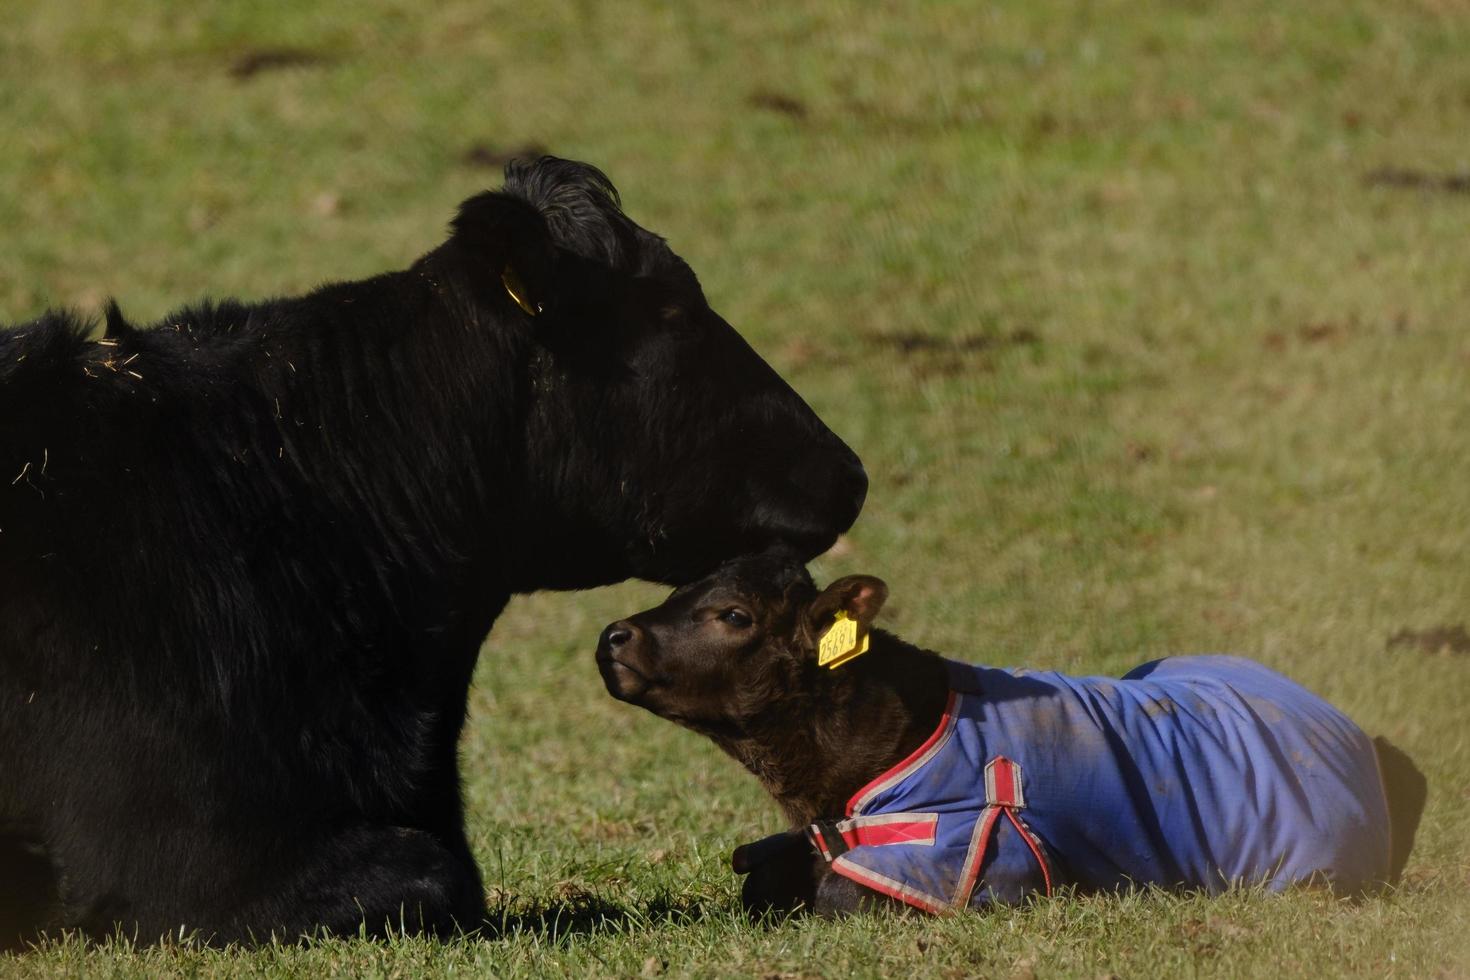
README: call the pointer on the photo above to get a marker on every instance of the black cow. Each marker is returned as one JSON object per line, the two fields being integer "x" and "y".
{"x": 248, "y": 556}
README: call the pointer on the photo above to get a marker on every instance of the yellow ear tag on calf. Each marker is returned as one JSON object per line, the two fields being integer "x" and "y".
{"x": 841, "y": 642}
{"x": 517, "y": 291}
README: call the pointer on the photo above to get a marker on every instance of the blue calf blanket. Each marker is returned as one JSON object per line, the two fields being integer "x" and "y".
{"x": 1188, "y": 772}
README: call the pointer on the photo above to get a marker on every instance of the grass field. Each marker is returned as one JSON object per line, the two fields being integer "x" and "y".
{"x": 1151, "y": 322}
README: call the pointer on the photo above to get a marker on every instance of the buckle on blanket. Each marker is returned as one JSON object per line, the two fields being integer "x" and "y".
{"x": 834, "y": 838}
{"x": 827, "y": 837}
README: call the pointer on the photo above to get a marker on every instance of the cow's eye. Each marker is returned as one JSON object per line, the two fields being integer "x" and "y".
{"x": 738, "y": 618}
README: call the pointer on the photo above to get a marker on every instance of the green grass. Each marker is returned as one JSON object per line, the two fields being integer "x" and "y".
{"x": 1224, "y": 403}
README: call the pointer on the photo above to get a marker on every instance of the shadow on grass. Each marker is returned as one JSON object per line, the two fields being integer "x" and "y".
{"x": 578, "y": 915}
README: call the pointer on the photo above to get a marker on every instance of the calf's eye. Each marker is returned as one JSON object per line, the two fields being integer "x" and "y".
{"x": 738, "y": 618}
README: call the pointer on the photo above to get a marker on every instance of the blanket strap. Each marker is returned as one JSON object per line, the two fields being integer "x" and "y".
{"x": 834, "y": 838}
{"x": 1003, "y": 795}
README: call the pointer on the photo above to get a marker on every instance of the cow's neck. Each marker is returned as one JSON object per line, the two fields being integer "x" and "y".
{"x": 861, "y": 720}
{"x": 417, "y": 447}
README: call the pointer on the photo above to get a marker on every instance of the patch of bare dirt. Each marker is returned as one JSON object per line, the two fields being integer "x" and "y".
{"x": 261, "y": 60}
{"x": 1436, "y": 639}
{"x": 1409, "y": 179}
{"x": 785, "y": 105}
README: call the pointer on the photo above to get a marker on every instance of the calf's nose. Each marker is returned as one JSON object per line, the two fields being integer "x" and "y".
{"x": 618, "y": 634}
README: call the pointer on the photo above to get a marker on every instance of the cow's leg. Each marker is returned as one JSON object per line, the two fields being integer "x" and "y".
{"x": 375, "y": 879}
{"x": 1406, "y": 789}
{"x": 838, "y": 896}
{"x": 780, "y": 874}
{"x": 785, "y": 875}
{"x": 28, "y": 892}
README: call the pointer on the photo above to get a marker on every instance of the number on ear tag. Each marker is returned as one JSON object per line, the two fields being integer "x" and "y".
{"x": 841, "y": 642}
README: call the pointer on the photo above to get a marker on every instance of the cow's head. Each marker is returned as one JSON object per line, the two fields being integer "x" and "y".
{"x": 658, "y": 443}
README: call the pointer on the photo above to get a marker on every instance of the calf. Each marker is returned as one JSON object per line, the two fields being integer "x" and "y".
{"x": 941, "y": 785}
{"x": 248, "y": 555}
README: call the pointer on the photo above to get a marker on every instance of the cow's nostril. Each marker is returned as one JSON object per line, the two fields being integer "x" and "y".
{"x": 616, "y": 635}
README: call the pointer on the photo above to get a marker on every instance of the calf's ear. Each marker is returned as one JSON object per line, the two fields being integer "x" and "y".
{"x": 860, "y": 596}
{"x": 506, "y": 240}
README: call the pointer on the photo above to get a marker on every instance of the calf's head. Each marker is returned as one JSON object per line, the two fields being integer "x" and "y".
{"x": 736, "y": 649}
{"x": 658, "y": 442}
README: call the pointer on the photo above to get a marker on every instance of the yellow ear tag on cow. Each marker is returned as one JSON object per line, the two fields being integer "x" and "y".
{"x": 517, "y": 291}
{"x": 841, "y": 642}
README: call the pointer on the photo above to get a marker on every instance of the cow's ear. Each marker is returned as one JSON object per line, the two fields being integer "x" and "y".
{"x": 859, "y": 596}
{"x": 507, "y": 241}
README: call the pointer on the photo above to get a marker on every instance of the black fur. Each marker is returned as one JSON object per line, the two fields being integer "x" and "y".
{"x": 248, "y": 556}
{"x": 733, "y": 657}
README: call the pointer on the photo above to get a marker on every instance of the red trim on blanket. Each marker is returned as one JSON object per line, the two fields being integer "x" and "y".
{"x": 979, "y": 840}
{"x": 887, "y": 886}
{"x": 1002, "y": 789}
{"x": 1004, "y": 793}
{"x": 821, "y": 842}
{"x": 890, "y": 831}
{"x": 901, "y": 770}
{"x": 1030, "y": 840}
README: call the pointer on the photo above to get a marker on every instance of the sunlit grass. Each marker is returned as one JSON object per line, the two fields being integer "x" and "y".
{"x": 1139, "y": 361}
